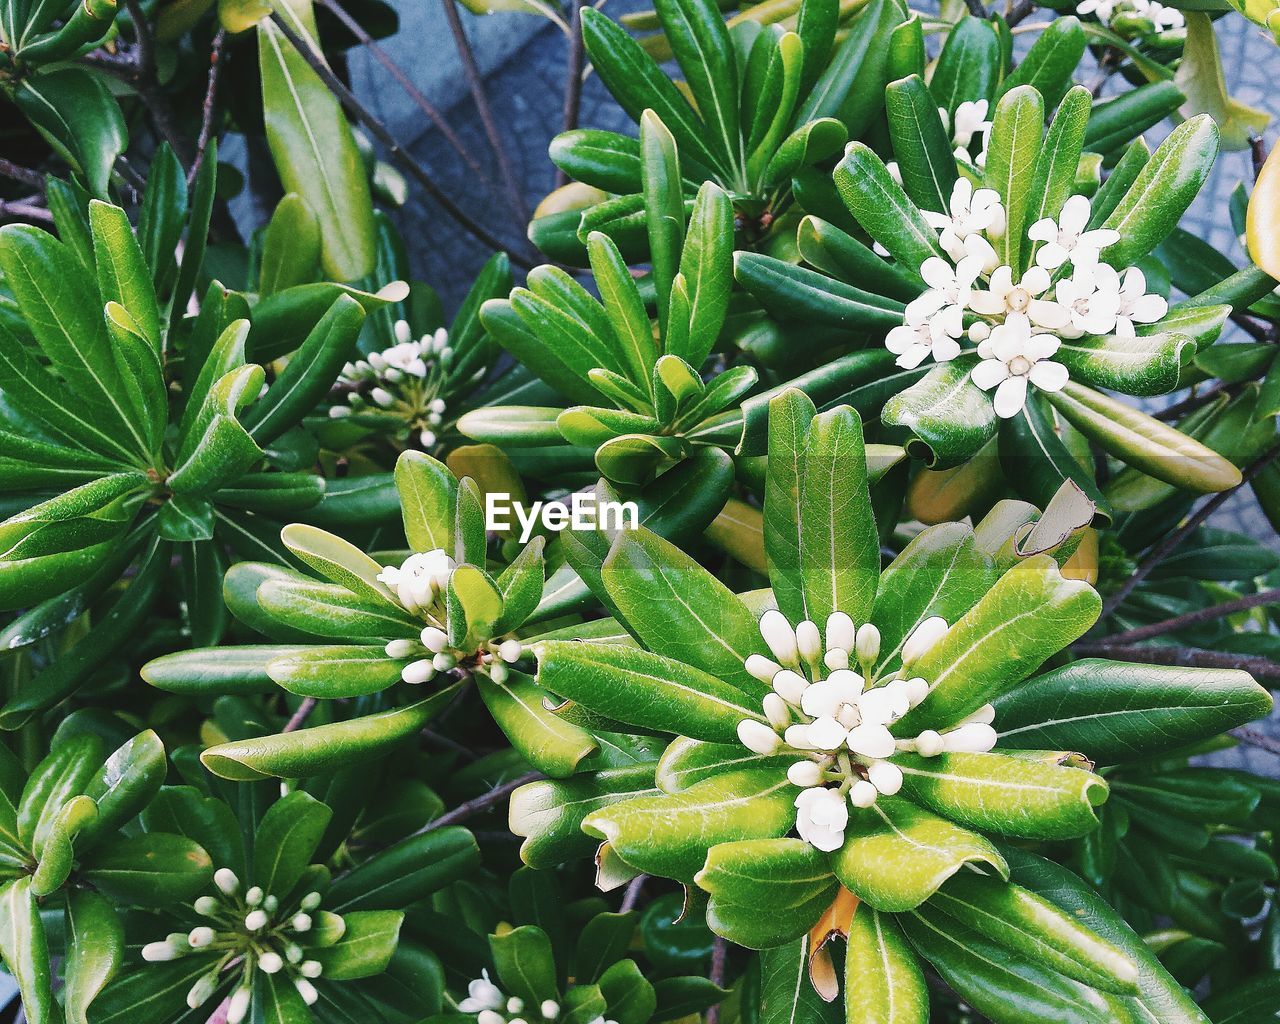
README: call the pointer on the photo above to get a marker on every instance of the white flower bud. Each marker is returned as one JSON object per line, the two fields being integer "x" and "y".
{"x": 757, "y": 737}
{"x": 779, "y": 635}
{"x": 427, "y": 438}
{"x": 798, "y": 736}
{"x": 985, "y": 715}
{"x": 790, "y": 686}
{"x": 339, "y": 412}
{"x": 401, "y": 648}
{"x": 225, "y": 879}
{"x": 775, "y": 709}
{"x": 254, "y": 896}
{"x": 271, "y": 904}
{"x": 929, "y": 744}
{"x": 490, "y": 1017}
{"x": 158, "y": 952}
{"x": 444, "y": 661}
{"x": 311, "y": 968}
{"x": 809, "y": 641}
{"x": 310, "y": 901}
{"x": 862, "y": 794}
{"x": 301, "y": 922}
{"x": 306, "y": 990}
{"x": 435, "y": 640}
{"x": 200, "y": 937}
{"x": 836, "y": 659}
{"x": 867, "y": 643}
{"x": 550, "y": 1009}
{"x": 973, "y": 738}
{"x": 922, "y": 639}
{"x": 979, "y": 332}
{"x": 239, "y": 1004}
{"x": 403, "y": 331}
{"x": 916, "y": 689}
{"x": 437, "y": 405}
{"x": 840, "y": 632}
{"x": 293, "y": 953}
{"x": 510, "y": 651}
{"x": 885, "y": 776}
{"x": 515, "y": 1004}
{"x": 200, "y": 992}
{"x": 255, "y": 920}
{"x": 804, "y": 774}
{"x": 382, "y": 397}
{"x": 207, "y": 906}
{"x": 271, "y": 962}
{"x": 498, "y": 672}
{"x": 417, "y": 672}
{"x": 762, "y": 668}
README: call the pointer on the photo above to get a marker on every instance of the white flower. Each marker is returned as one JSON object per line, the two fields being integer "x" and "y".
{"x": 1066, "y": 238}
{"x": 821, "y": 817}
{"x": 971, "y": 212}
{"x": 1090, "y": 309}
{"x": 1133, "y": 303}
{"x": 950, "y": 289}
{"x": 1003, "y": 297}
{"x": 922, "y": 336}
{"x": 1102, "y": 9}
{"x": 1017, "y": 357}
{"x": 971, "y": 120}
{"x": 482, "y": 994}
{"x": 419, "y": 578}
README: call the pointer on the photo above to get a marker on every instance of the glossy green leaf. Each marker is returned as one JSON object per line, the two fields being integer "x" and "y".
{"x": 151, "y": 869}
{"x": 883, "y": 982}
{"x": 95, "y": 951}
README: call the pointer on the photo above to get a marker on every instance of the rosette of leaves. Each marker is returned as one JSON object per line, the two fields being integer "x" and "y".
{"x": 762, "y": 102}
{"x": 72, "y": 850}
{"x": 960, "y": 621}
{"x": 131, "y": 433}
{"x": 354, "y": 629}
{"x": 271, "y": 933}
{"x": 70, "y": 105}
{"x": 592, "y": 350}
{"x": 549, "y": 960}
{"x": 945, "y": 416}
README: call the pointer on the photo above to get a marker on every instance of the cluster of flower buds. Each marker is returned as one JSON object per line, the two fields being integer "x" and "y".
{"x": 838, "y": 717}
{"x": 419, "y": 580}
{"x": 249, "y": 930}
{"x": 403, "y": 381}
{"x": 491, "y": 1006}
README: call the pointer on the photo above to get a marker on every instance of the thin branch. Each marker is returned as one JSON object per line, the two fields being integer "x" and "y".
{"x": 1172, "y": 625}
{"x": 1194, "y": 402}
{"x": 481, "y": 99}
{"x": 1171, "y": 541}
{"x": 977, "y": 9}
{"x": 1254, "y": 738}
{"x": 25, "y": 211}
{"x": 1019, "y": 11}
{"x": 1258, "y": 151}
{"x": 1257, "y": 331}
{"x": 573, "y": 78}
{"x": 719, "y": 963}
{"x": 441, "y": 740}
{"x": 481, "y": 803}
{"x": 1259, "y": 667}
{"x": 411, "y": 90}
{"x": 394, "y": 147}
{"x": 210, "y": 103}
{"x": 300, "y": 716}
{"x": 632, "y": 896}
{"x": 143, "y": 79}
{"x": 25, "y": 175}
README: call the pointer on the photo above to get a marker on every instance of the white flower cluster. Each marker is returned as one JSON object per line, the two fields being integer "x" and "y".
{"x": 1162, "y": 17}
{"x": 419, "y": 582}
{"x": 1017, "y": 326}
{"x": 251, "y": 931}
{"x": 402, "y": 382}
{"x": 970, "y": 120}
{"x": 837, "y": 719}
{"x": 491, "y": 1006}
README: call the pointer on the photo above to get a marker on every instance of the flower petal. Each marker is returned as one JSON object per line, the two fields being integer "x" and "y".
{"x": 1011, "y": 396}
{"x": 1048, "y": 376}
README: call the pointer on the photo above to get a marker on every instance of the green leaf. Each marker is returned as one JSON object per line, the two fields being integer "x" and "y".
{"x": 26, "y": 951}
{"x": 1029, "y": 615}
{"x": 671, "y": 835}
{"x": 882, "y": 208}
{"x": 851, "y": 88}
{"x": 94, "y": 951}
{"x": 644, "y": 689}
{"x": 1016, "y": 133}
{"x": 366, "y": 945}
{"x": 290, "y": 246}
{"x": 794, "y": 292}
{"x": 896, "y": 855}
{"x": 968, "y": 66}
{"x": 1148, "y": 364}
{"x": 705, "y": 53}
{"x": 1007, "y": 795}
{"x": 920, "y": 143}
{"x": 545, "y": 739}
{"x": 335, "y": 671}
{"x": 625, "y": 309}
{"x": 1054, "y": 177}
{"x": 313, "y": 147}
{"x": 786, "y": 994}
{"x": 286, "y": 839}
{"x": 407, "y": 872}
{"x": 949, "y": 417}
{"x": 706, "y": 264}
{"x": 664, "y": 210}
{"x": 124, "y": 785}
{"x": 76, "y": 113}
{"x": 525, "y": 963}
{"x": 1050, "y": 62}
{"x": 338, "y": 561}
{"x": 1117, "y": 711}
{"x": 883, "y": 982}
{"x": 123, "y": 274}
{"x": 769, "y": 876}
{"x": 1037, "y": 462}
{"x": 151, "y": 869}
{"x": 216, "y": 448}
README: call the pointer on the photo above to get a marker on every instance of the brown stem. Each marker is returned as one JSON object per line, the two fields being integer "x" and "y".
{"x": 25, "y": 211}
{"x": 1162, "y": 550}
{"x": 1254, "y": 738}
{"x": 1261, "y": 668}
{"x": 481, "y": 99}
{"x": 573, "y": 78}
{"x": 1258, "y": 151}
{"x": 977, "y": 9}
{"x": 1218, "y": 611}
{"x": 154, "y": 98}
{"x": 300, "y": 716}
{"x": 210, "y": 103}
{"x": 394, "y": 147}
{"x": 481, "y": 803}
{"x": 1194, "y": 402}
{"x": 719, "y": 962}
{"x": 1019, "y": 11}
{"x": 632, "y": 896}
{"x": 449, "y": 743}
{"x": 25, "y": 175}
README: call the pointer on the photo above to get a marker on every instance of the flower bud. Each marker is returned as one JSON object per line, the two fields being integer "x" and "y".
{"x": 836, "y": 659}
{"x": 238, "y": 1006}
{"x": 293, "y": 953}
{"x": 159, "y": 952}
{"x": 762, "y": 668}
{"x": 306, "y": 990}
{"x": 435, "y": 640}
{"x": 840, "y": 632}
{"x": 929, "y": 744}
{"x": 550, "y": 1009}
{"x": 271, "y": 904}
{"x": 973, "y": 738}
{"x": 867, "y": 643}
{"x": 809, "y": 641}
{"x": 401, "y": 648}
{"x": 254, "y": 896}
{"x": 427, "y": 438}
{"x": 200, "y": 937}
{"x": 339, "y": 412}
{"x": 985, "y": 715}
{"x": 862, "y": 794}
{"x": 779, "y": 635}
{"x": 311, "y": 968}
{"x": 798, "y": 736}
{"x": 255, "y": 920}
{"x": 225, "y": 879}
{"x": 510, "y": 651}
{"x": 804, "y": 774}
{"x": 382, "y": 397}
{"x": 403, "y": 331}
{"x": 775, "y": 709}
{"x": 498, "y": 672}
{"x": 271, "y": 962}
{"x": 200, "y": 992}
{"x": 207, "y": 906}
{"x": 885, "y": 776}
{"x": 490, "y": 1017}
{"x": 757, "y": 737}
{"x": 979, "y": 332}
{"x": 301, "y": 922}
{"x": 310, "y": 901}
{"x": 790, "y": 686}
{"x": 916, "y": 689}
{"x": 922, "y": 639}
{"x": 444, "y": 662}
{"x": 418, "y": 672}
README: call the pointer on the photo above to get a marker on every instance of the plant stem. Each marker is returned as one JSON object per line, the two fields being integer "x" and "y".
{"x": 1218, "y": 611}
{"x": 411, "y": 90}
{"x": 977, "y": 9}
{"x": 394, "y": 147}
{"x": 1162, "y": 550}
{"x": 1262, "y": 668}
{"x": 719, "y": 962}
{"x": 300, "y": 716}
{"x": 1193, "y": 402}
{"x": 481, "y": 99}
{"x": 25, "y": 211}
{"x": 481, "y": 803}
{"x": 1254, "y": 738}
{"x": 210, "y": 103}
{"x": 573, "y": 78}
{"x": 632, "y": 896}
{"x": 25, "y": 175}
{"x": 144, "y": 81}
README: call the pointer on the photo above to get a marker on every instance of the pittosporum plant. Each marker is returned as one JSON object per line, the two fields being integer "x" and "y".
{"x": 875, "y": 737}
